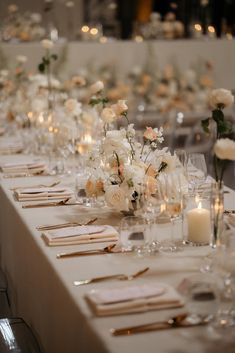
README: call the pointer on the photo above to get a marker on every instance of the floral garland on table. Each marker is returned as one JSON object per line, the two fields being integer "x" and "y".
{"x": 122, "y": 166}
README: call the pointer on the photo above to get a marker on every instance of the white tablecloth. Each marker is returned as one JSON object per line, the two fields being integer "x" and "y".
{"x": 127, "y": 54}
{"x": 42, "y": 291}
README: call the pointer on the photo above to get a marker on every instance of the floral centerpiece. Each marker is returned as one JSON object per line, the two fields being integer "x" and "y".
{"x": 123, "y": 168}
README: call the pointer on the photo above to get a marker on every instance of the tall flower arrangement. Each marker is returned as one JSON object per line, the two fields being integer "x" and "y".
{"x": 123, "y": 166}
{"x": 45, "y": 66}
{"x": 224, "y": 151}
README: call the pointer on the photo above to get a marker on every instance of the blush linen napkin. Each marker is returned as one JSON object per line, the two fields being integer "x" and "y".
{"x": 10, "y": 147}
{"x": 80, "y": 235}
{"x": 23, "y": 167}
{"x": 133, "y": 299}
{"x": 45, "y": 193}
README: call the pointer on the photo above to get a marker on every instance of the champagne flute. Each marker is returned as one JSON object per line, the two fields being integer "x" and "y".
{"x": 173, "y": 197}
{"x": 151, "y": 202}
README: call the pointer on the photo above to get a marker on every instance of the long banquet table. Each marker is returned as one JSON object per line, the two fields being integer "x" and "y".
{"x": 42, "y": 291}
{"x": 127, "y": 54}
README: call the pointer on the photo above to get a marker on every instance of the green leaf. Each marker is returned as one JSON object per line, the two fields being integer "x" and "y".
{"x": 46, "y": 61}
{"x": 224, "y": 127}
{"x": 205, "y": 125}
{"x": 41, "y": 67}
{"x": 218, "y": 115}
{"x": 54, "y": 56}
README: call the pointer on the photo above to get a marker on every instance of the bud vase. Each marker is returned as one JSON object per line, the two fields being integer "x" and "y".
{"x": 217, "y": 213}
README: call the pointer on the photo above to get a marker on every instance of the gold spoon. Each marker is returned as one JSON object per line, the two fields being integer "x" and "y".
{"x": 107, "y": 249}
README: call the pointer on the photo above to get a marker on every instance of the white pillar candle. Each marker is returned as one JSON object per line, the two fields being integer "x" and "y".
{"x": 199, "y": 225}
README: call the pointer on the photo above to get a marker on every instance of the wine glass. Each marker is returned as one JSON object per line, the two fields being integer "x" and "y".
{"x": 197, "y": 169}
{"x": 226, "y": 269}
{"x": 182, "y": 159}
{"x": 173, "y": 197}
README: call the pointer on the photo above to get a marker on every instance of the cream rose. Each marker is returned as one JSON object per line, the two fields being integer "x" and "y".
{"x": 150, "y": 134}
{"x": 225, "y": 149}
{"x": 116, "y": 197}
{"x": 220, "y": 97}
{"x": 97, "y": 87}
{"x": 108, "y": 115}
{"x": 21, "y": 59}
{"x": 47, "y": 44}
{"x": 120, "y": 107}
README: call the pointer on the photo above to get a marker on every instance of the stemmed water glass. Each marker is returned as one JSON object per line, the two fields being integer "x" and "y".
{"x": 197, "y": 169}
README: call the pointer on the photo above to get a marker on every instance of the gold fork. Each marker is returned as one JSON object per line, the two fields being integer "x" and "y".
{"x": 36, "y": 186}
{"x": 65, "y": 225}
{"x": 121, "y": 277}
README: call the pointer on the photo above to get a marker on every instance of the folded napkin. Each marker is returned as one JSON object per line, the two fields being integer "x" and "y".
{"x": 80, "y": 235}
{"x": 11, "y": 147}
{"x": 231, "y": 219}
{"x": 23, "y": 167}
{"x": 133, "y": 299}
{"x": 46, "y": 193}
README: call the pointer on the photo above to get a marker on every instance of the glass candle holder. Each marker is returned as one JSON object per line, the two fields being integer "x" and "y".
{"x": 197, "y": 220}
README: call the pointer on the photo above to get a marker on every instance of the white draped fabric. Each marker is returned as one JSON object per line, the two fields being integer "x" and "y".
{"x": 42, "y": 291}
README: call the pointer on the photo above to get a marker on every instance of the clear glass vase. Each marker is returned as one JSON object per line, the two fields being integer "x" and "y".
{"x": 217, "y": 213}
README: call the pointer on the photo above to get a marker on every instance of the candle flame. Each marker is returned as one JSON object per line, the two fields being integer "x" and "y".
{"x": 87, "y": 138}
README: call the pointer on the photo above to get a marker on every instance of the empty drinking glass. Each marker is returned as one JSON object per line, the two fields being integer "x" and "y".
{"x": 134, "y": 234}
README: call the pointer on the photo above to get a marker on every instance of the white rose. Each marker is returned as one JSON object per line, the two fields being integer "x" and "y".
{"x": 73, "y": 107}
{"x": 115, "y": 197}
{"x": 120, "y": 107}
{"x": 220, "y": 97}
{"x": 115, "y": 141}
{"x": 97, "y": 87}
{"x": 108, "y": 115}
{"x": 47, "y": 44}
{"x": 225, "y": 149}
{"x": 21, "y": 59}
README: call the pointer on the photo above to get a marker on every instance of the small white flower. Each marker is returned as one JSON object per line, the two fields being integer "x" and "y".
{"x": 120, "y": 107}
{"x": 21, "y": 59}
{"x": 108, "y": 115}
{"x": 221, "y": 97}
{"x": 225, "y": 149}
{"x": 97, "y": 87}
{"x": 47, "y": 44}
